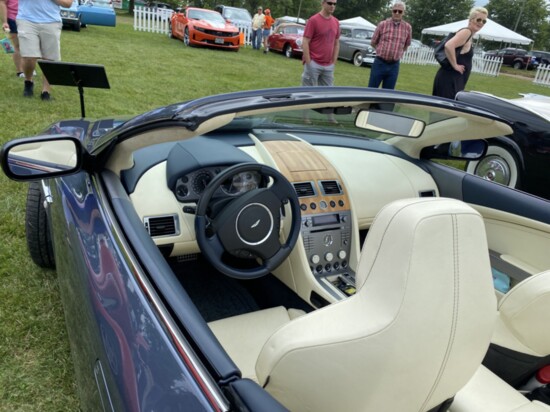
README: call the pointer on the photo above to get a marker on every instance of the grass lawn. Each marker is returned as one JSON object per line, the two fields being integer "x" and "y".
{"x": 145, "y": 70}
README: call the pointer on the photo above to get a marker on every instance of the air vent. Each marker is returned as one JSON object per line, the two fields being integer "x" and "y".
{"x": 331, "y": 187}
{"x": 162, "y": 225}
{"x": 304, "y": 189}
{"x": 427, "y": 193}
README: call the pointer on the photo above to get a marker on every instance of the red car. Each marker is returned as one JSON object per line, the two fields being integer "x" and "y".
{"x": 287, "y": 38}
{"x": 202, "y": 27}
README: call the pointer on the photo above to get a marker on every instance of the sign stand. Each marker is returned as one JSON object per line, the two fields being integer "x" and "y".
{"x": 75, "y": 74}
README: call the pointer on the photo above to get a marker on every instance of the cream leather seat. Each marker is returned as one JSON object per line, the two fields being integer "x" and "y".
{"x": 413, "y": 334}
{"x": 521, "y": 341}
{"x": 524, "y": 316}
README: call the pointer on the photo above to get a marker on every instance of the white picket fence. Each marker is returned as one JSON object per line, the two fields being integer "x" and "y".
{"x": 157, "y": 21}
{"x": 152, "y": 19}
{"x": 489, "y": 66}
{"x": 542, "y": 77}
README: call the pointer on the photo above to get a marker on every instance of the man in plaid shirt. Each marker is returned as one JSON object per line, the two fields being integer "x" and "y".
{"x": 391, "y": 39}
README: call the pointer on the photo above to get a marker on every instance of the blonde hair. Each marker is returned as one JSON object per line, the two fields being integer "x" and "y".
{"x": 477, "y": 10}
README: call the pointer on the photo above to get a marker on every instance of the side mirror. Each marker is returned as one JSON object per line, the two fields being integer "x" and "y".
{"x": 41, "y": 157}
{"x": 457, "y": 150}
{"x": 389, "y": 123}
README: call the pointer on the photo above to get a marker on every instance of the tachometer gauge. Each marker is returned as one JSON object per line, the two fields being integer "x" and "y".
{"x": 200, "y": 181}
{"x": 241, "y": 183}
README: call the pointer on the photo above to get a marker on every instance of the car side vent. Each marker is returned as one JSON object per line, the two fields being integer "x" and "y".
{"x": 331, "y": 187}
{"x": 427, "y": 193}
{"x": 162, "y": 225}
{"x": 304, "y": 189}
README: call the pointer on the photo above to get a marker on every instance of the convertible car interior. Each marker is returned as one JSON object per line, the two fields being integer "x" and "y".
{"x": 318, "y": 252}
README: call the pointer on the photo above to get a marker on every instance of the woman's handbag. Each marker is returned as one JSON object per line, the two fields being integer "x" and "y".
{"x": 439, "y": 51}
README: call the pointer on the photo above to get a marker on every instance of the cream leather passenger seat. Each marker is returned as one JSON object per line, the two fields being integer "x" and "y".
{"x": 413, "y": 334}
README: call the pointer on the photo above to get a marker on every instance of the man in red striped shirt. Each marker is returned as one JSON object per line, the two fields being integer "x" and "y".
{"x": 391, "y": 39}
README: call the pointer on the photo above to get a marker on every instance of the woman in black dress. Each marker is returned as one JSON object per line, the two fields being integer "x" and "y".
{"x": 459, "y": 51}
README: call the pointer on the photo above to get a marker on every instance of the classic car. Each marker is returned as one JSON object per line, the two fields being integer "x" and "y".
{"x": 202, "y": 27}
{"x": 287, "y": 38}
{"x": 355, "y": 45}
{"x": 223, "y": 254}
{"x": 93, "y": 12}
{"x": 235, "y": 15}
{"x": 522, "y": 159}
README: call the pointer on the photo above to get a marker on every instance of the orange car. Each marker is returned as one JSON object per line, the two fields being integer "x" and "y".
{"x": 202, "y": 27}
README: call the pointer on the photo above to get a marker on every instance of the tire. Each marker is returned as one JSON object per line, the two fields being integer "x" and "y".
{"x": 77, "y": 25}
{"x": 287, "y": 51}
{"x": 357, "y": 59}
{"x": 499, "y": 165}
{"x": 37, "y": 228}
{"x": 186, "y": 37}
{"x": 517, "y": 65}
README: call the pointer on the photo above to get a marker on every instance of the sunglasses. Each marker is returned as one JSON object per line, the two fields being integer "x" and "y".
{"x": 331, "y": 3}
{"x": 397, "y": 11}
{"x": 479, "y": 20}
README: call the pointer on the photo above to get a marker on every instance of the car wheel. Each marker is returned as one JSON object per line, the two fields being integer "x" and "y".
{"x": 186, "y": 37}
{"x": 358, "y": 59}
{"x": 37, "y": 228}
{"x": 76, "y": 26}
{"x": 288, "y": 51}
{"x": 498, "y": 165}
{"x": 517, "y": 65}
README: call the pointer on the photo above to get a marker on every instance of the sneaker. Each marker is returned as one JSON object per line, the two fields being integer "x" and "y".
{"x": 22, "y": 75}
{"x": 265, "y": 51}
{"x": 28, "y": 91}
{"x": 45, "y": 96}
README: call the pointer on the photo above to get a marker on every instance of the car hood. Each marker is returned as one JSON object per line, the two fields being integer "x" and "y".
{"x": 212, "y": 25}
{"x": 535, "y": 103}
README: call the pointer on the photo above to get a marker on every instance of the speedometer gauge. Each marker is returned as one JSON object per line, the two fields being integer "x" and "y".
{"x": 241, "y": 183}
{"x": 200, "y": 181}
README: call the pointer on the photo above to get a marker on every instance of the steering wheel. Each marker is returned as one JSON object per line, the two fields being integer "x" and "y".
{"x": 247, "y": 227}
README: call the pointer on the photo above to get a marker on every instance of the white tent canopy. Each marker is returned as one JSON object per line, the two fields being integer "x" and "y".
{"x": 359, "y": 21}
{"x": 491, "y": 31}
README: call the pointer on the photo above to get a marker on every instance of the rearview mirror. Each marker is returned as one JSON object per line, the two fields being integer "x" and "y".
{"x": 389, "y": 123}
{"x": 41, "y": 157}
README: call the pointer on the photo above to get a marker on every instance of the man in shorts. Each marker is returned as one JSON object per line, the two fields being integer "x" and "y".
{"x": 39, "y": 30}
{"x": 8, "y": 12}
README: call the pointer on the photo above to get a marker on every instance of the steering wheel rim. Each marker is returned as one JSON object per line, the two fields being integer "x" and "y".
{"x": 248, "y": 226}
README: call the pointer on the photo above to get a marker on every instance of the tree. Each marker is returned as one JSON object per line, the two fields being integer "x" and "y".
{"x": 428, "y": 13}
{"x": 526, "y": 17}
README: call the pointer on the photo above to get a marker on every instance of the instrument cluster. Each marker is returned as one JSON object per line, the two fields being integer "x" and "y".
{"x": 190, "y": 187}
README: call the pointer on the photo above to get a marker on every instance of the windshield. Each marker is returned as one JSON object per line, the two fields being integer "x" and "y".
{"x": 341, "y": 121}
{"x": 237, "y": 14}
{"x": 210, "y": 16}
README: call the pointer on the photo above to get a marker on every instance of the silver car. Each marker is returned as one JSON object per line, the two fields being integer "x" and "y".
{"x": 355, "y": 45}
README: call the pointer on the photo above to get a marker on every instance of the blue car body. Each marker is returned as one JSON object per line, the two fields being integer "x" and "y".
{"x": 97, "y": 14}
{"x": 89, "y": 12}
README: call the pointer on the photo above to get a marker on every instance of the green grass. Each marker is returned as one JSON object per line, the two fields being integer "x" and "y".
{"x": 145, "y": 71}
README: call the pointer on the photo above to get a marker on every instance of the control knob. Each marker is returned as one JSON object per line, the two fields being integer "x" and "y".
{"x": 342, "y": 254}
{"x": 329, "y": 256}
{"x": 315, "y": 259}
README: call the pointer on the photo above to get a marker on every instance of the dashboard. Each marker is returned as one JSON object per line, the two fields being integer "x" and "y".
{"x": 336, "y": 201}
